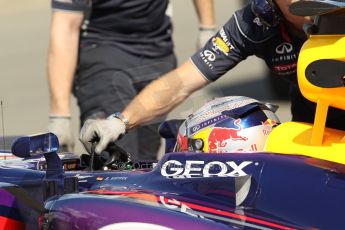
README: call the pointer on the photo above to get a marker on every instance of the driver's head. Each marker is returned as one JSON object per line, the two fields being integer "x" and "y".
{"x": 296, "y": 21}
{"x": 227, "y": 124}
{"x": 272, "y": 12}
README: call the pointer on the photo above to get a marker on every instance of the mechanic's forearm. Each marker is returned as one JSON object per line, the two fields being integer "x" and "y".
{"x": 205, "y": 12}
{"x": 62, "y": 59}
{"x": 164, "y": 94}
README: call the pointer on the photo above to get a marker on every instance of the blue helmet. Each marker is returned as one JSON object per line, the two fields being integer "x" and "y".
{"x": 267, "y": 11}
{"x": 227, "y": 124}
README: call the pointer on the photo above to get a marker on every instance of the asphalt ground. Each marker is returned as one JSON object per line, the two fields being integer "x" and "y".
{"x": 23, "y": 67}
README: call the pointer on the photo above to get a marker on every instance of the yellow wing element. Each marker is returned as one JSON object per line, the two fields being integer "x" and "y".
{"x": 321, "y": 47}
{"x": 295, "y": 138}
{"x": 320, "y": 70}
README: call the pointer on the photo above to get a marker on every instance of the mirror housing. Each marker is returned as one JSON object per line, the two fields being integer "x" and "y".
{"x": 38, "y": 144}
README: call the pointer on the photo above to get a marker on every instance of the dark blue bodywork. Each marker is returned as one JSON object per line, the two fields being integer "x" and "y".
{"x": 198, "y": 190}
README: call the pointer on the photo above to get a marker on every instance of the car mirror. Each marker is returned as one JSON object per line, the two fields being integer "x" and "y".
{"x": 29, "y": 146}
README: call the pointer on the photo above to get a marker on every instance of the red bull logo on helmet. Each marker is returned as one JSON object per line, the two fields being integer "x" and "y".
{"x": 220, "y": 138}
{"x": 182, "y": 142}
{"x": 267, "y": 126}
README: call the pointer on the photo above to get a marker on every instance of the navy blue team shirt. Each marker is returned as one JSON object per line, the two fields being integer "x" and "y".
{"x": 140, "y": 27}
{"x": 244, "y": 35}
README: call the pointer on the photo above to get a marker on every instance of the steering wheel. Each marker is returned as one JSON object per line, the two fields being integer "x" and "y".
{"x": 112, "y": 158}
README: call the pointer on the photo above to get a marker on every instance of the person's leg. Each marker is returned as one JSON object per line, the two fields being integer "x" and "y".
{"x": 108, "y": 79}
{"x": 102, "y": 87}
{"x": 149, "y": 140}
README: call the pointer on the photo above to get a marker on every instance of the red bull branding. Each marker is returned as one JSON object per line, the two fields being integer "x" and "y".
{"x": 219, "y": 138}
{"x": 182, "y": 143}
{"x": 267, "y": 126}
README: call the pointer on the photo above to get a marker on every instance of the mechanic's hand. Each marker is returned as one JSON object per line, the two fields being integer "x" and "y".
{"x": 62, "y": 128}
{"x": 103, "y": 131}
{"x": 205, "y": 33}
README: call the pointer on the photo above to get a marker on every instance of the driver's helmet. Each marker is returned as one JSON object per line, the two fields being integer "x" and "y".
{"x": 227, "y": 124}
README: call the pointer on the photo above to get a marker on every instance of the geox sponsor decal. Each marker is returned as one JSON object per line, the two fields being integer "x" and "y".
{"x": 200, "y": 169}
{"x": 222, "y": 43}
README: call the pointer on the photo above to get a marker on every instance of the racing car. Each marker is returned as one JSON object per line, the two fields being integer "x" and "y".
{"x": 296, "y": 182}
{"x": 183, "y": 191}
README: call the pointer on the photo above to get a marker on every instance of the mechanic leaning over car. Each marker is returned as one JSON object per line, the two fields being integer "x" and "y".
{"x": 108, "y": 51}
{"x": 264, "y": 28}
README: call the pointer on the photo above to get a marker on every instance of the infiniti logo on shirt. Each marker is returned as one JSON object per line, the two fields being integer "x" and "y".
{"x": 284, "y": 48}
{"x": 209, "y": 55}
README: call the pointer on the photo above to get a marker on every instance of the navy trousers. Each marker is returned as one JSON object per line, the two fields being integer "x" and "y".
{"x": 107, "y": 79}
